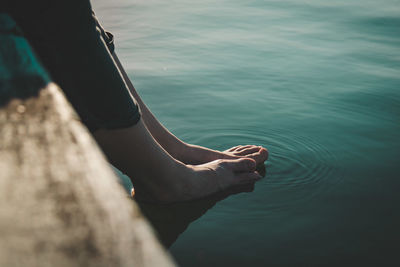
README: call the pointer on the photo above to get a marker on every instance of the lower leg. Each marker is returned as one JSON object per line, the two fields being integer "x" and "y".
{"x": 158, "y": 176}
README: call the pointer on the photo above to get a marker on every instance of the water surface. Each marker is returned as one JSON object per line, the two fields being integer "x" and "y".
{"x": 316, "y": 82}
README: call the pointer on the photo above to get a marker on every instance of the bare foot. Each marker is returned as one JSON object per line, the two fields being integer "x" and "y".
{"x": 193, "y": 154}
{"x": 198, "y": 181}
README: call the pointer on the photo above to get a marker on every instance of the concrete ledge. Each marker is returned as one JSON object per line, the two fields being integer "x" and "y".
{"x": 60, "y": 204}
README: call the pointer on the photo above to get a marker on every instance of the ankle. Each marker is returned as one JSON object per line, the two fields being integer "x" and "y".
{"x": 176, "y": 183}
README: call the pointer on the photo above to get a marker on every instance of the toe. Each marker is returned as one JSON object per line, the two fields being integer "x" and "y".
{"x": 247, "y": 151}
{"x": 259, "y": 156}
{"x": 264, "y": 154}
{"x": 241, "y": 148}
{"x": 233, "y": 148}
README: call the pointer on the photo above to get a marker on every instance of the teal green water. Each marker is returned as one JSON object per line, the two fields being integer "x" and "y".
{"x": 316, "y": 82}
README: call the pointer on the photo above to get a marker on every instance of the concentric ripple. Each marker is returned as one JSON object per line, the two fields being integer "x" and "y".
{"x": 298, "y": 167}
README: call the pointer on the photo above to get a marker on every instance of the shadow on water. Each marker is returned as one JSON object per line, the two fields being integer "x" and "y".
{"x": 171, "y": 220}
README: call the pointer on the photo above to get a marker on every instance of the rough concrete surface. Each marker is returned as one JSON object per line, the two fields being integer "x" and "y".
{"x": 60, "y": 204}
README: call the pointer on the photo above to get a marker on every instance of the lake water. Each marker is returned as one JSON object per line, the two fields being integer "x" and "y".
{"x": 316, "y": 82}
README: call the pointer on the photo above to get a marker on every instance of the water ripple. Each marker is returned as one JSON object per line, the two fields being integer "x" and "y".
{"x": 298, "y": 168}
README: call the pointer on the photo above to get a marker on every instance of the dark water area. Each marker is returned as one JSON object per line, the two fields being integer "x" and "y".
{"x": 316, "y": 82}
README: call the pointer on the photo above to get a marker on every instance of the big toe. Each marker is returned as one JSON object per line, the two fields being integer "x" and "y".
{"x": 260, "y": 156}
{"x": 263, "y": 154}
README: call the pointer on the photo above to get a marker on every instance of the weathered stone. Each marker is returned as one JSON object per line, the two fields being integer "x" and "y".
{"x": 60, "y": 204}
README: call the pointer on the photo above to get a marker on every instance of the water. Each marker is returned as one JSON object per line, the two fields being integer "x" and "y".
{"x": 316, "y": 82}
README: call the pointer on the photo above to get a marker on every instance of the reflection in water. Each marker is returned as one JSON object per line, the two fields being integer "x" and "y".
{"x": 170, "y": 220}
